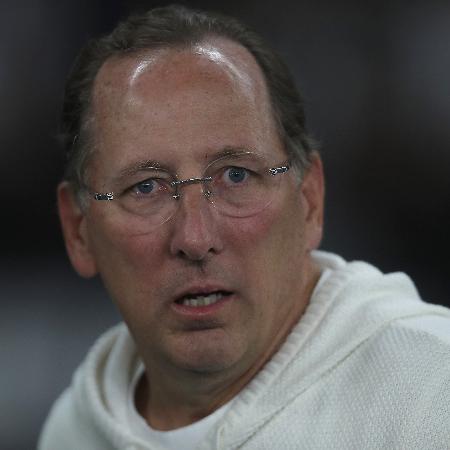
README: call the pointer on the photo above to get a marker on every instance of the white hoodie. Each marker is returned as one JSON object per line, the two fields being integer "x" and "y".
{"x": 366, "y": 367}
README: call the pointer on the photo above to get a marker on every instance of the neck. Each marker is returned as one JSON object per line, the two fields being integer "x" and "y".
{"x": 170, "y": 403}
{"x": 178, "y": 398}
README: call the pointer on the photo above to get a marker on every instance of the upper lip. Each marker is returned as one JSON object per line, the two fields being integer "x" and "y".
{"x": 200, "y": 289}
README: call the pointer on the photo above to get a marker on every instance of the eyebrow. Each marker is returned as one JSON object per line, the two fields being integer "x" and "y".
{"x": 230, "y": 151}
{"x": 136, "y": 167}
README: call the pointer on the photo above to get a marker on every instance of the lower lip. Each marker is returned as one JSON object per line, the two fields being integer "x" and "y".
{"x": 201, "y": 311}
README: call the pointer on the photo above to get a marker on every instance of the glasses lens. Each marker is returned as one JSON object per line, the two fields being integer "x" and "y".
{"x": 238, "y": 185}
{"x": 241, "y": 184}
{"x": 149, "y": 201}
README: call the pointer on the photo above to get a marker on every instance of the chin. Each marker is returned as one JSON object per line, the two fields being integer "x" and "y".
{"x": 207, "y": 355}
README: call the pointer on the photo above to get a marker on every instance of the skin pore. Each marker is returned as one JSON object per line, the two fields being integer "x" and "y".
{"x": 182, "y": 107}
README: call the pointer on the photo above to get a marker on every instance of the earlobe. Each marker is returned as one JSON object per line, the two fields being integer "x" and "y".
{"x": 313, "y": 188}
{"x": 74, "y": 227}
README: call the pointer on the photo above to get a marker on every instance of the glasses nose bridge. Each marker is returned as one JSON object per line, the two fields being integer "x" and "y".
{"x": 188, "y": 181}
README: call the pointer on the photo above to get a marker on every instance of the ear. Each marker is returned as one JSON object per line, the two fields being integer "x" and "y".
{"x": 313, "y": 189}
{"x": 74, "y": 227}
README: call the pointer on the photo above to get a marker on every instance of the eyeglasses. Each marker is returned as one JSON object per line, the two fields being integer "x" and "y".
{"x": 237, "y": 185}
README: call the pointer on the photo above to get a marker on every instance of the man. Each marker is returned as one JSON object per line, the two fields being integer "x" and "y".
{"x": 194, "y": 191}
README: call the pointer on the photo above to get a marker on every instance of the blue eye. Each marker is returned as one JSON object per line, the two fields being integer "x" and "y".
{"x": 146, "y": 187}
{"x": 237, "y": 174}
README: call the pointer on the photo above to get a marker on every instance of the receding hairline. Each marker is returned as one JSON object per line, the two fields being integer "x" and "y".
{"x": 170, "y": 28}
{"x": 241, "y": 59}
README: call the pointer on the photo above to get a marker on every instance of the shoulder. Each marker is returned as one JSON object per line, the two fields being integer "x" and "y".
{"x": 53, "y": 435}
{"x": 434, "y": 326}
{"x": 421, "y": 346}
{"x": 421, "y": 339}
{"x": 77, "y": 418}
{"x": 393, "y": 387}
{"x": 65, "y": 427}
{"x": 413, "y": 350}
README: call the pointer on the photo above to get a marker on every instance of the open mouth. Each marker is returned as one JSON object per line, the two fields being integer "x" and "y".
{"x": 204, "y": 299}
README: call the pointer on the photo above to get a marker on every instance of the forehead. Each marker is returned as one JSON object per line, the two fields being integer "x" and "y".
{"x": 217, "y": 60}
{"x": 204, "y": 97}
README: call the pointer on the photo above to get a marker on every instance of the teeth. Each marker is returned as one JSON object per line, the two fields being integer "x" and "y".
{"x": 202, "y": 300}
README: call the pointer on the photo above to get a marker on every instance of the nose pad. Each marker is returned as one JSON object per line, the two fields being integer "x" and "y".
{"x": 205, "y": 181}
{"x": 207, "y": 193}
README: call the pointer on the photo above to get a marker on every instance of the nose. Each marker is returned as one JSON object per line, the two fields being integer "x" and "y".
{"x": 195, "y": 234}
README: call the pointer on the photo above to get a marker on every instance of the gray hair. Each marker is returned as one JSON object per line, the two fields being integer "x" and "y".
{"x": 170, "y": 27}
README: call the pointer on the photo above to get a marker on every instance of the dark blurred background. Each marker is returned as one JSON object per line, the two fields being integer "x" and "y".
{"x": 376, "y": 81}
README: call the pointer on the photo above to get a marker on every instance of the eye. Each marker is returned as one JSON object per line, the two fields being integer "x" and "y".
{"x": 236, "y": 174}
{"x": 145, "y": 187}
{"x": 150, "y": 187}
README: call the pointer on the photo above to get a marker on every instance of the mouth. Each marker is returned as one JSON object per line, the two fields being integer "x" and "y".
{"x": 202, "y": 299}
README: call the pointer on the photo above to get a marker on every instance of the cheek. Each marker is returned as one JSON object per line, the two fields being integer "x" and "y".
{"x": 131, "y": 268}
{"x": 272, "y": 229}
{"x": 267, "y": 245}
{"x": 262, "y": 242}
{"x": 125, "y": 261}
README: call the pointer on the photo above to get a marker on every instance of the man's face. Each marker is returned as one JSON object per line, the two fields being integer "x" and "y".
{"x": 180, "y": 108}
